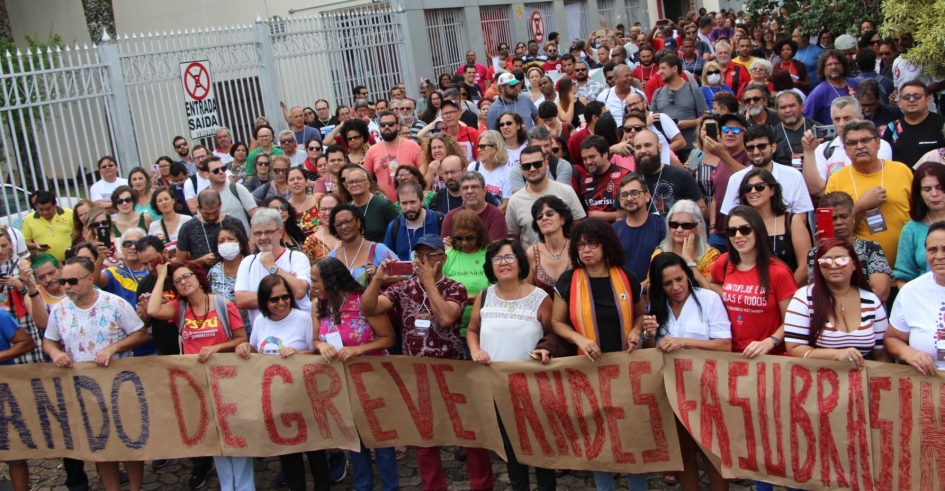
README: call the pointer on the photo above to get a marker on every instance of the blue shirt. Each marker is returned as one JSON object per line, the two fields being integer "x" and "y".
{"x": 307, "y": 133}
{"x": 523, "y": 105}
{"x": 808, "y": 56}
{"x": 402, "y": 245}
{"x": 640, "y": 242}
{"x": 8, "y": 327}
{"x": 817, "y": 105}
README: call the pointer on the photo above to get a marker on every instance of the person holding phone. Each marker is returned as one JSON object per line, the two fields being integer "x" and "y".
{"x": 50, "y": 228}
{"x": 465, "y": 259}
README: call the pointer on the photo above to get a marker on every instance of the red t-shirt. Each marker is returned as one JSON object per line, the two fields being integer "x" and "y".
{"x": 574, "y": 145}
{"x": 197, "y": 334}
{"x": 552, "y": 67}
{"x": 729, "y": 74}
{"x": 754, "y": 314}
{"x": 600, "y": 192}
{"x": 468, "y": 139}
{"x": 644, "y": 74}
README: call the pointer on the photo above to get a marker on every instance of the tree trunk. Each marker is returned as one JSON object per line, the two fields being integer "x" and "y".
{"x": 99, "y": 14}
{"x": 6, "y": 32}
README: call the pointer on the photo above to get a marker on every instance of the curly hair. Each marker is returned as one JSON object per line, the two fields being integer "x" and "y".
{"x": 560, "y": 207}
{"x": 355, "y": 124}
{"x": 778, "y": 46}
{"x": 601, "y": 231}
{"x": 468, "y": 220}
{"x": 777, "y": 200}
{"x": 338, "y": 285}
{"x": 452, "y": 148}
{"x": 196, "y": 269}
{"x": 345, "y": 207}
{"x": 291, "y": 224}
{"x": 826, "y": 55}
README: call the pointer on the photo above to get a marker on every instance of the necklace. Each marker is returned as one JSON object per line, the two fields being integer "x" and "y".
{"x": 344, "y": 250}
{"x": 511, "y": 303}
{"x": 557, "y": 255}
{"x": 206, "y": 313}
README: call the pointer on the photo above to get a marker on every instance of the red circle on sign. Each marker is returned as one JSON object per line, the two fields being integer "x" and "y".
{"x": 538, "y": 26}
{"x": 197, "y": 81}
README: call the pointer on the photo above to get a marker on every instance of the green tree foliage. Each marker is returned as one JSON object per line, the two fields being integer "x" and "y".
{"x": 925, "y": 19}
{"x": 811, "y": 16}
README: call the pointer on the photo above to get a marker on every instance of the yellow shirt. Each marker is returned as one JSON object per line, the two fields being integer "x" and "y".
{"x": 704, "y": 265}
{"x": 57, "y": 234}
{"x": 745, "y": 64}
{"x": 896, "y": 179}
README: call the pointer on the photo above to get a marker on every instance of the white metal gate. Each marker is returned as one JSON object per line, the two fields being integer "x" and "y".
{"x": 496, "y": 27}
{"x": 605, "y": 8}
{"x": 447, "y": 40}
{"x": 637, "y": 11}
{"x": 547, "y": 12}
{"x": 576, "y": 18}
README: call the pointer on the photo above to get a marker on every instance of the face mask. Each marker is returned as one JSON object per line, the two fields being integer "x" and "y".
{"x": 229, "y": 250}
{"x": 714, "y": 78}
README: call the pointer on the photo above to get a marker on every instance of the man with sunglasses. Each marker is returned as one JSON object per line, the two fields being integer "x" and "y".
{"x": 512, "y": 99}
{"x": 290, "y": 147}
{"x": 198, "y": 181}
{"x": 408, "y": 115}
{"x": 761, "y": 147}
{"x": 599, "y": 188}
{"x": 324, "y": 120}
{"x": 755, "y": 101}
{"x": 472, "y": 185}
{"x": 587, "y": 89}
{"x": 236, "y": 201}
{"x": 182, "y": 148}
{"x": 558, "y": 169}
{"x": 382, "y": 159}
{"x": 518, "y": 213}
{"x": 101, "y": 192}
{"x": 919, "y": 130}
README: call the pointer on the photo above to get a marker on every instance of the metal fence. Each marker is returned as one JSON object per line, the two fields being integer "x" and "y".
{"x": 605, "y": 8}
{"x": 548, "y": 17}
{"x": 637, "y": 11}
{"x": 576, "y": 19}
{"x": 447, "y": 38}
{"x": 496, "y": 27}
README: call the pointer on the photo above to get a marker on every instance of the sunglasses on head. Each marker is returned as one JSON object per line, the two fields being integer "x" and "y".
{"x": 685, "y": 225}
{"x": 527, "y": 166}
{"x": 745, "y": 230}
{"x": 757, "y": 187}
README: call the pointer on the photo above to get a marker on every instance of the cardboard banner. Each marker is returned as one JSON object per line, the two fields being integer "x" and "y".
{"x": 423, "y": 402}
{"x": 130, "y": 410}
{"x": 273, "y": 406}
{"x": 612, "y": 415}
{"x": 783, "y": 420}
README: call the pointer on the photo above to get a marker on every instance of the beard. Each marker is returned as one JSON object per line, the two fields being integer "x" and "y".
{"x": 791, "y": 121}
{"x": 755, "y": 110}
{"x": 452, "y": 185}
{"x": 649, "y": 164}
{"x": 582, "y": 77}
{"x": 389, "y": 137}
{"x": 411, "y": 215}
{"x": 764, "y": 162}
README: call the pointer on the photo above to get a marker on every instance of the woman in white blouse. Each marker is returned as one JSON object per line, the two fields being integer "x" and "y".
{"x": 684, "y": 315}
{"x": 837, "y": 317}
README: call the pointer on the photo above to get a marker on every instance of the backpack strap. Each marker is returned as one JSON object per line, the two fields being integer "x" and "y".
{"x": 553, "y": 169}
{"x": 219, "y": 304}
{"x": 182, "y": 313}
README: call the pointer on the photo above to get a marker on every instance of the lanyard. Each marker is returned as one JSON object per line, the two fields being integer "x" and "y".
{"x": 788, "y": 140}
{"x": 424, "y": 301}
{"x": 882, "y": 180}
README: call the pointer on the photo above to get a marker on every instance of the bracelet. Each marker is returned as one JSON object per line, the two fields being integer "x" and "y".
{"x": 23, "y": 291}
{"x": 34, "y": 294}
{"x": 808, "y": 353}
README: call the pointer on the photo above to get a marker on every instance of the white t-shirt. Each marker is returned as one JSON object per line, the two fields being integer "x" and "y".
{"x": 102, "y": 191}
{"x": 793, "y": 189}
{"x": 917, "y": 312}
{"x": 237, "y": 207}
{"x": 189, "y": 186}
{"x": 614, "y": 103}
{"x": 515, "y": 156}
{"x": 294, "y": 331}
{"x": 298, "y": 158}
{"x": 251, "y": 272}
{"x": 709, "y": 322}
{"x": 497, "y": 181}
{"x": 225, "y": 157}
{"x": 839, "y": 159}
{"x": 670, "y": 130}
{"x": 85, "y": 332}
{"x": 158, "y": 231}
{"x": 518, "y": 214}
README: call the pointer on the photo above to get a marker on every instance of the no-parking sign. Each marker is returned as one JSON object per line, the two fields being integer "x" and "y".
{"x": 200, "y": 103}
{"x": 538, "y": 27}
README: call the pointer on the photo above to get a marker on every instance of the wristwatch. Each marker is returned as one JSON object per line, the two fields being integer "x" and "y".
{"x": 691, "y": 264}
{"x": 274, "y": 269}
{"x": 777, "y": 342}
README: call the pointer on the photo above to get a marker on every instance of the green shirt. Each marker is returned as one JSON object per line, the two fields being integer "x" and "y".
{"x": 251, "y": 159}
{"x": 378, "y": 213}
{"x": 467, "y": 269}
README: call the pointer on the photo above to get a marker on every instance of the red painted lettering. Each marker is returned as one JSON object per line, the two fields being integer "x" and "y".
{"x": 613, "y": 414}
{"x": 773, "y": 468}
{"x": 825, "y": 405}
{"x": 877, "y": 386}
{"x": 661, "y": 453}
{"x": 686, "y": 406}
{"x": 857, "y": 435}
{"x": 224, "y": 410}
{"x": 905, "y": 434}
{"x": 288, "y": 419}
{"x": 581, "y": 386}
{"x": 357, "y": 371}
{"x": 711, "y": 413}
{"x": 800, "y": 418}
{"x": 422, "y": 412}
{"x": 554, "y": 402}
{"x": 525, "y": 413}
{"x": 932, "y": 445}
{"x": 189, "y": 440}
{"x": 740, "y": 369}
{"x": 452, "y": 399}
{"x": 323, "y": 402}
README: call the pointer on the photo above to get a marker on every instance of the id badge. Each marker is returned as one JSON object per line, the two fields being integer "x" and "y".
{"x": 334, "y": 339}
{"x": 423, "y": 322}
{"x": 797, "y": 161}
{"x": 875, "y": 221}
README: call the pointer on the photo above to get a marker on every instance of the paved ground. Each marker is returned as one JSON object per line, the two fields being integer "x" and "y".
{"x": 48, "y": 475}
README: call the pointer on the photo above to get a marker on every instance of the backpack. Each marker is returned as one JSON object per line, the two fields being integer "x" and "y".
{"x": 219, "y": 305}
{"x": 439, "y": 221}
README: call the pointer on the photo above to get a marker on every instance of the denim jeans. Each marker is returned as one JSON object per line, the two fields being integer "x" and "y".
{"x": 764, "y": 486}
{"x": 605, "y": 481}
{"x": 364, "y": 470}
{"x": 719, "y": 242}
{"x": 235, "y": 473}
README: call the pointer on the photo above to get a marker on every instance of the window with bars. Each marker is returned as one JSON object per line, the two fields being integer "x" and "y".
{"x": 445, "y": 31}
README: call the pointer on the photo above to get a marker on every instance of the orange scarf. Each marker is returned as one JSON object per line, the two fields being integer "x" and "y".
{"x": 584, "y": 319}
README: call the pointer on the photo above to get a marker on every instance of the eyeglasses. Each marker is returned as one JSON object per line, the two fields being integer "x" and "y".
{"x": 220, "y": 169}
{"x": 121, "y": 201}
{"x": 757, "y": 187}
{"x": 180, "y": 145}
{"x": 326, "y": 210}
{"x": 912, "y": 97}
{"x": 281, "y": 207}
{"x": 387, "y": 124}
{"x": 280, "y": 298}
{"x": 286, "y": 142}
{"x": 685, "y": 225}
{"x": 580, "y": 69}
{"x": 356, "y": 182}
{"x": 732, "y": 129}
{"x": 405, "y": 133}
{"x": 760, "y": 146}
{"x": 352, "y": 137}
{"x": 184, "y": 277}
{"x": 450, "y": 113}
{"x": 485, "y": 145}
{"x": 71, "y": 281}
{"x": 752, "y": 100}
{"x": 464, "y": 238}
{"x": 262, "y": 163}
{"x": 260, "y": 233}
{"x": 507, "y": 123}
{"x": 758, "y": 69}
{"x": 635, "y": 193}
{"x": 128, "y": 244}
{"x": 99, "y": 224}
{"x": 345, "y": 223}
{"x": 546, "y": 213}
{"x": 508, "y": 259}
{"x": 590, "y": 244}
{"x": 835, "y": 262}
{"x": 634, "y": 127}
{"x": 712, "y": 72}
{"x": 861, "y": 141}
{"x": 745, "y": 230}
{"x": 314, "y": 149}
{"x": 527, "y": 166}
{"x": 430, "y": 256}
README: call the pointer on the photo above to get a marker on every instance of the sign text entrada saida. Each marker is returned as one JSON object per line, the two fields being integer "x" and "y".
{"x": 200, "y": 103}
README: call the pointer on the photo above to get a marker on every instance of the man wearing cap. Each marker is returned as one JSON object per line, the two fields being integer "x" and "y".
{"x": 730, "y": 149}
{"x": 466, "y": 136}
{"x": 512, "y": 99}
{"x": 846, "y": 45}
{"x": 429, "y": 307}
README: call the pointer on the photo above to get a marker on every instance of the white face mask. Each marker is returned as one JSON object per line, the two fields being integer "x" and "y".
{"x": 714, "y": 78}
{"x": 229, "y": 250}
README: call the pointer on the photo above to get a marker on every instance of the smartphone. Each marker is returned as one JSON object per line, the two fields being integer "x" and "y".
{"x": 695, "y": 158}
{"x": 601, "y": 33}
{"x": 825, "y": 222}
{"x": 400, "y": 268}
{"x": 827, "y": 132}
{"x": 712, "y": 130}
{"x": 43, "y": 247}
{"x": 104, "y": 236}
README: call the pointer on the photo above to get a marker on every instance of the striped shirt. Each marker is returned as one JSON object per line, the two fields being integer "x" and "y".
{"x": 867, "y": 337}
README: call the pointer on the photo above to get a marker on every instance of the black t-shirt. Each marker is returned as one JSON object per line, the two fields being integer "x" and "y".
{"x": 670, "y": 185}
{"x": 910, "y": 142}
{"x": 605, "y": 306}
{"x": 475, "y": 92}
{"x": 163, "y": 333}
{"x": 470, "y": 119}
{"x": 789, "y": 141}
{"x": 443, "y": 202}
{"x": 195, "y": 236}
